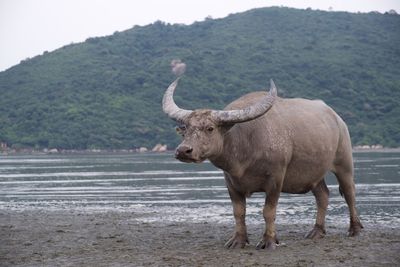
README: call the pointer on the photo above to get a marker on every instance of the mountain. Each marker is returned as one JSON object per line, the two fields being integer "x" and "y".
{"x": 106, "y": 92}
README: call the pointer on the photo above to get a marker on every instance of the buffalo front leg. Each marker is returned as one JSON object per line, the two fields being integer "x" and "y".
{"x": 269, "y": 240}
{"x": 321, "y": 193}
{"x": 239, "y": 238}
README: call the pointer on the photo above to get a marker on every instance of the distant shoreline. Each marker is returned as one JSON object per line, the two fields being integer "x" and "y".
{"x": 135, "y": 151}
{"x": 380, "y": 150}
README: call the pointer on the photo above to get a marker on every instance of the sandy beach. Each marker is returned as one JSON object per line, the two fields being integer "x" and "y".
{"x": 78, "y": 238}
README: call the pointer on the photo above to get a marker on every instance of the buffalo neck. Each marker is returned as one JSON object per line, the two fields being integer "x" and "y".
{"x": 233, "y": 153}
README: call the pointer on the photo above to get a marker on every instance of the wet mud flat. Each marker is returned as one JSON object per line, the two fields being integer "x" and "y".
{"x": 110, "y": 238}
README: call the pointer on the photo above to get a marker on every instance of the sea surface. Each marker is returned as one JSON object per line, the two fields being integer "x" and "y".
{"x": 158, "y": 188}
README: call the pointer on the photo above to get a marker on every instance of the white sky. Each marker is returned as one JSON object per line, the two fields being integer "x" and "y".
{"x": 30, "y": 27}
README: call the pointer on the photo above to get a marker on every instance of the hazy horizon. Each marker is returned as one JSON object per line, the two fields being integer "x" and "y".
{"x": 30, "y": 27}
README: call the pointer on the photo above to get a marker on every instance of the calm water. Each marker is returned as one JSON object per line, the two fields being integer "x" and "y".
{"x": 166, "y": 190}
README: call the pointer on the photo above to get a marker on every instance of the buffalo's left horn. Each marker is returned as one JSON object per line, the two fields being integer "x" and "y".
{"x": 249, "y": 113}
{"x": 169, "y": 106}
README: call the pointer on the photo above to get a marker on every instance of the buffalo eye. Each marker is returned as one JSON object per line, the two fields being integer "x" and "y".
{"x": 181, "y": 129}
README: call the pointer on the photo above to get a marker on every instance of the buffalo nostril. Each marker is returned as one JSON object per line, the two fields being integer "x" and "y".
{"x": 184, "y": 151}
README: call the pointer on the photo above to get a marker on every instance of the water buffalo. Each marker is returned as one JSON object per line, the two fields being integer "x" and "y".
{"x": 265, "y": 143}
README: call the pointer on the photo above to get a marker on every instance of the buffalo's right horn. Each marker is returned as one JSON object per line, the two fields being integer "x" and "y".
{"x": 249, "y": 113}
{"x": 169, "y": 106}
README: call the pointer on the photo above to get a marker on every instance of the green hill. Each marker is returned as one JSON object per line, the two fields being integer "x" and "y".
{"x": 106, "y": 92}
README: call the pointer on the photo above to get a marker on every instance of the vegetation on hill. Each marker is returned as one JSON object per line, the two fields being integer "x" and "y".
{"x": 106, "y": 92}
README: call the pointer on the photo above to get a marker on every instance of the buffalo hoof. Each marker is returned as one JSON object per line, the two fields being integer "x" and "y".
{"x": 355, "y": 229}
{"x": 268, "y": 244}
{"x": 316, "y": 233}
{"x": 237, "y": 241}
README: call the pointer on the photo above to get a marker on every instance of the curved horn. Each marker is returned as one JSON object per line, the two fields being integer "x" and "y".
{"x": 169, "y": 106}
{"x": 249, "y": 113}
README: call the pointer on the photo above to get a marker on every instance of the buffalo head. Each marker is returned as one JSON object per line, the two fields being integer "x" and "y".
{"x": 203, "y": 130}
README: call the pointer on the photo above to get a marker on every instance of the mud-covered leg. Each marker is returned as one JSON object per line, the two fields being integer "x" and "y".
{"x": 321, "y": 193}
{"x": 239, "y": 238}
{"x": 347, "y": 189}
{"x": 343, "y": 169}
{"x": 269, "y": 240}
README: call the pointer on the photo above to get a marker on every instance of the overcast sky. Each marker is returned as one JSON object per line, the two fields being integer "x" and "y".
{"x": 30, "y": 27}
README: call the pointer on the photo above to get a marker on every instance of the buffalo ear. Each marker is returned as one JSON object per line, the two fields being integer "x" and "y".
{"x": 226, "y": 127}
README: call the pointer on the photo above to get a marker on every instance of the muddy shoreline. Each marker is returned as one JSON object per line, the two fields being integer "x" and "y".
{"x": 77, "y": 238}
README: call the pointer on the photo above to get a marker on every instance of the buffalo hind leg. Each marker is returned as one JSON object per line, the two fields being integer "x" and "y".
{"x": 239, "y": 238}
{"x": 347, "y": 189}
{"x": 321, "y": 193}
{"x": 269, "y": 240}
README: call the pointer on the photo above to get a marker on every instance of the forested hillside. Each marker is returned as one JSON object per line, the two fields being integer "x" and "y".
{"x": 106, "y": 92}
